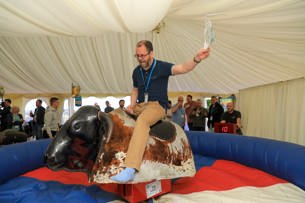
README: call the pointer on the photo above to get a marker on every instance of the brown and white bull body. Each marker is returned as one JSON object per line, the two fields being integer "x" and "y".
{"x": 102, "y": 152}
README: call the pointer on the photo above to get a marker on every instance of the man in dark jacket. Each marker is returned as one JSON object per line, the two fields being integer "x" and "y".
{"x": 38, "y": 120}
{"x": 215, "y": 112}
{"x": 6, "y": 115}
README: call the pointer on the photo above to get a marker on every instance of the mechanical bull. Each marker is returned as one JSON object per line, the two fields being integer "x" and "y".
{"x": 96, "y": 143}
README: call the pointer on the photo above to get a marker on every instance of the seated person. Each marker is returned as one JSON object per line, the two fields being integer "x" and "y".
{"x": 232, "y": 116}
{"x": 17, "y": 119}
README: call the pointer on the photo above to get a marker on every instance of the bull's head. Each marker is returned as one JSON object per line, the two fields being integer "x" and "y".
{"x": 75, "y": 146}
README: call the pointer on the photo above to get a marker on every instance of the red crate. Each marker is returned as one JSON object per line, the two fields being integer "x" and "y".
{"x": 142, "y": 191}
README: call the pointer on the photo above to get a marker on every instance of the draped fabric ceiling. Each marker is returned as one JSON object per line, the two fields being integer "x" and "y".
{"x": 47, "y": 45}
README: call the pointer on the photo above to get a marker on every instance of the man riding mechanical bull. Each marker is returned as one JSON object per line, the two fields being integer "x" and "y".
{"x": 114, "y": 147}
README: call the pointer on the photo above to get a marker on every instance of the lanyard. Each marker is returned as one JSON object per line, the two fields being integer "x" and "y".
{"x": 148, "y": 80}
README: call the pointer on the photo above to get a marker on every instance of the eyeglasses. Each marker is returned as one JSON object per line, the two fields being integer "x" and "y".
{"x": 141, "y": 56}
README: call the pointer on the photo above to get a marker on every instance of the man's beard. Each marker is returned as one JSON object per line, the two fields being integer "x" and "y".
{"x": 145, "y": 64}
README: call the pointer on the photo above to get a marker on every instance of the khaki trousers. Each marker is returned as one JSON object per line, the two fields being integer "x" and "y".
{"x": 148, "y": 114}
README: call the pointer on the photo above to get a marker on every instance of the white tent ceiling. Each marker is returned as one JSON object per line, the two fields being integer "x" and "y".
{"x": 46, "y": 45}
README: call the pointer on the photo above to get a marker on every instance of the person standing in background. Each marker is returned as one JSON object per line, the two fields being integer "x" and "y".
{"x": 232, "y": 116}
{"x": 108, "y": 107}
{"x": 178, "y": 113}
{"x": 6, "y": 115}
{"x": 51, "y": 119}
{"x": 38, "y": 119}
{"x": 215, "y": 112}
{"x": 189, "y": 106}
{"x": 198, "y": 116}
{"x": 122, "y": 104}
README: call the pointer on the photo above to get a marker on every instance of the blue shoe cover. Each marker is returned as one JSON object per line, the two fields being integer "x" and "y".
{"x": 124, "y": 176}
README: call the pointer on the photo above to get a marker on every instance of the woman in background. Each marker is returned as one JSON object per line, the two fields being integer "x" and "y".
{"x": 17, "y": 119}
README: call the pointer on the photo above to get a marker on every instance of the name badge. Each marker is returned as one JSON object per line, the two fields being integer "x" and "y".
{"x": 145, "y": 97}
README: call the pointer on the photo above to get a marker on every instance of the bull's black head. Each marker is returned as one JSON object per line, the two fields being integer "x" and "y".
{"x": 76, "y": 145}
